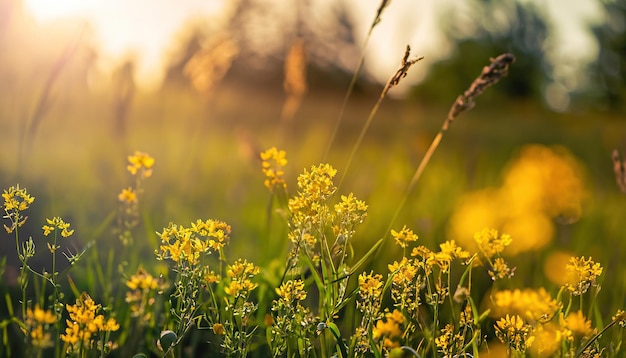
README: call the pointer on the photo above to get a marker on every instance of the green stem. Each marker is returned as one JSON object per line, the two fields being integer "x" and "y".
{"x": 364, "y": 129}
{"x": 416, "y": 176}
{"x": 355, "y": 75}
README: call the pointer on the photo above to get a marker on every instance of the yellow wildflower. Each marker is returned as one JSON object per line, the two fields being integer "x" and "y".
{"x": 403, "y": 271}
{"x": 581, "y": 274}
{"x": 84, "y": 323}
{"x": 16, "y": 199}
{"x": 500, "y": 269}
{"x": 217, "y": 231}
{"x": 451, "y": 248}
{"x": 514, "y": 332}
{"x": 274, "y": 161}
{"x": 142, "y": 280}
{"x": 292, "y": 290}
{"x": 240, "y": 273}
{"x": 140, "y": 162}
{"x": 127, "y": 196}
{"x": 185, "y": 245}
{"x": 389, "y": 329}
{"x": 404, "y": 236}
{"x": 548, "y": 338}
{"x": 37, "y": 322}
{"x": 211, "y": 277}
{"x": 577, "y": 324}
{"x": 317, "y": 184}
{"x": 532, "y": 305}
{"x": 370, "y": 285}
{"x": 349, "y": 213}
{"x": 41, "y": 316}
{"x": 448, "y": 342}
{"x": 57, "y": 223}
{"x": 490, "y": 243}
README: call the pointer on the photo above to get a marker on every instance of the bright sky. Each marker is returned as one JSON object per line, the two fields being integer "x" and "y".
{"x": 146, "y": 28}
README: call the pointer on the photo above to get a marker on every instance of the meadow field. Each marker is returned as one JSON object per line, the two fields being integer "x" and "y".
{"x": 219, "y": 227}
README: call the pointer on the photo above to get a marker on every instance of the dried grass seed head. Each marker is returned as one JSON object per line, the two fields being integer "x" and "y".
{"x": 489, "y": 76}
{"x": 404, "y": 68}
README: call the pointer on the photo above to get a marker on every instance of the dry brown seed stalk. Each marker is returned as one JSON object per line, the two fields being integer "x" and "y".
{"x": 489, "y": 76}
{"x": 379, "y": 12}
{"x": 404, "y": 68}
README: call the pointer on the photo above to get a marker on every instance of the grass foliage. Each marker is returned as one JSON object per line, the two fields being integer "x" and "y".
{"x": 432, "y": 263}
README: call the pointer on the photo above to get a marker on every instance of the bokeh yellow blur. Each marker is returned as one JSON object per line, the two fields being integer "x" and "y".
{"x": 540, "y": 185}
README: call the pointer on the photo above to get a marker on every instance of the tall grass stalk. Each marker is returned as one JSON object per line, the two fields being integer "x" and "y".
{"x": 490, "y": 75}
{"x": 30, "y": 127}
{"x": 355, "y": 76}
{"x": 392, "y": 82}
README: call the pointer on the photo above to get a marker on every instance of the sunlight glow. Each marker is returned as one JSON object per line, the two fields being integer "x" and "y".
{"x": 143, "y": 29}
{"x": 47, "y": 9}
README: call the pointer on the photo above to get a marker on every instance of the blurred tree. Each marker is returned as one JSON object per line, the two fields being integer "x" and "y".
{"x": 488, "y": 29}
{"x": 263, "y": 32}
{"x": 187, "y": 44}
{"x": 608, "y": 73}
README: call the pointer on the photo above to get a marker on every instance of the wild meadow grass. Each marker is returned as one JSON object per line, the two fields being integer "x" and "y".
{"x": 313, "y": 269}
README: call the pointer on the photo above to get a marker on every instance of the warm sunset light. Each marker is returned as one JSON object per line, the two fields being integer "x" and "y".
{"x": 145, "y": 30}
{"x": 142, "y": 29}
{"x": 46, "y": 9}
{"x": 312, "y": 178}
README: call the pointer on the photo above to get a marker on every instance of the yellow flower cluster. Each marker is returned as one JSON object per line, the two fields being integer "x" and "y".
{"x": 240, "y": 273}
{"x": 311, "y": 215}
{"x": 291, "y": 290}
{"x": 532, "y": 305}
{"x": 185, "y": 245}
{"x": 403, "y": 272}
{"x": 57, "y": 223}
{"x": 404, "y": 237}
{"x": 308, "y": 208}
{"x": 85, "y": 323}
{"x": 581, "y": 274}
{"x": 140, "y": 163}
{"x": 577, "y": 324}
{"x": 142, "y": 280}
{"x": 443, "y": 259}
{"x": 273, "y": 162}
{"x": 541, "y": 184}
{"x": 128, "y": 196}
{"x": 317, "y": 185}
{"x": 449, "y": 251}
{"x": 449, "y": 342}
{"x": 349, "y": 212}
{"x": 16, "y": 200}
{"x": 389, "y": 329}
{"x": 490, "y": 243}
{"x": 565, "y": 335}
{"x": 37, "y": 322}
{"x": 142, "y": 285}
{"x": 514, "y": 332}
{"x": 370, "y": 286}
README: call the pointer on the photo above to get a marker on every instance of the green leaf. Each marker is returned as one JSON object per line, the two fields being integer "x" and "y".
{"x": 335, "y": 331}
{"x": 363, "y": 259}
